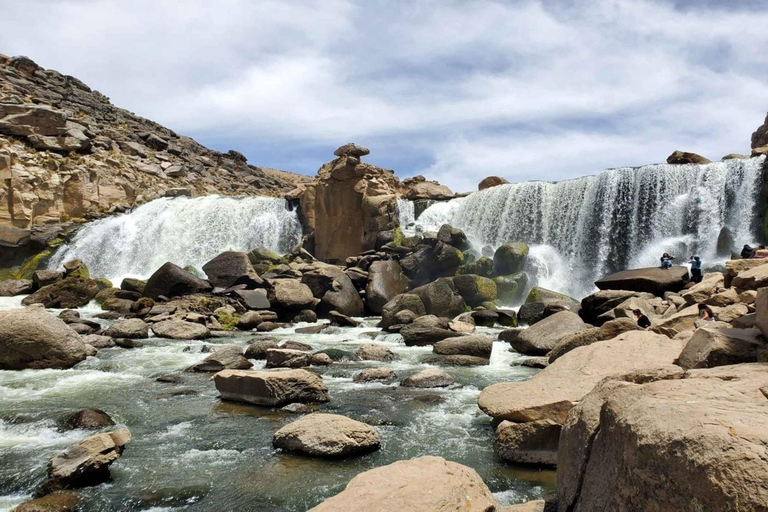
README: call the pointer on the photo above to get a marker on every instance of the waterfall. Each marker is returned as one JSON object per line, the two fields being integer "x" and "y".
{"x": 622, "y": 218}
{"x": 185, "y": 231}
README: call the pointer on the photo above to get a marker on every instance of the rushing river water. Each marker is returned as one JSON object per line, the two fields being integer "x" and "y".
{"x": 191, "y": 451}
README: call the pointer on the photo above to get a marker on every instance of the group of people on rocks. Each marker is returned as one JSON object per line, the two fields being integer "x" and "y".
{"x": 696, "y": 275}
{"x": 705, "y": 313}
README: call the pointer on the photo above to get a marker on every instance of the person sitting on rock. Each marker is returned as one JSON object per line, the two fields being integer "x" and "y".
{"x": 642, "y": 321}
{"x": 747, "y": 252}
{"x": 666, "y": 260}
{"x": 696, "y": 276}
{"x": 706, "y": 313}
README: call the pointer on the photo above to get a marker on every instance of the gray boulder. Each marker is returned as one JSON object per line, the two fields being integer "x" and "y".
{"x": 385, "y": 281}
{"x": 173, "y": 281}
{"x": 543, "y": 336}
{"x": 510, "y": 258}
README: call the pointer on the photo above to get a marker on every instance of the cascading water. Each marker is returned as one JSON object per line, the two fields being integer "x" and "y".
{"x": 185, "y": 231}
{"x": 623, "y": 218}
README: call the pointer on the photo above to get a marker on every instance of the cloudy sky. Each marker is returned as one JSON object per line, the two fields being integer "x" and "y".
{"x": 454, "y": 90}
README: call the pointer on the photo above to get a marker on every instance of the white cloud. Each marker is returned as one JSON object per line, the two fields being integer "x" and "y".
{"x": 460, "y": 90}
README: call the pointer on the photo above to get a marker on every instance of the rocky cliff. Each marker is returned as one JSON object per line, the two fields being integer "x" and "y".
{"x": 67, "y": 153}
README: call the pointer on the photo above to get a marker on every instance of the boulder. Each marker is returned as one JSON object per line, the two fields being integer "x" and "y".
{"x": 342, "y": 297}
{"x": 511, "y": 288}
{"x": 679, "y": 322}
{"x": 683, "y": 157}
{"x": 88, "y": 462}
{"x": 539, "y": 294}
{"x": 133, "y": 285}
{"x": 385, "y": 281}
{"x": 173, "y": 281}
{"x": 134, "y": 328}
{"x": 402, "y": 302}
{"x": 427, "y": 330}
{"x": 61, "y": 501}
{"x": 296, "y": 345}
{"x": 287, "y": 358}
{"x": 752, "y": 279}
{"x": 455, "y": 360}
{"x": 180, "y": 330}
{"x": 543, "y": 336}
{"x": 375, "y": 375}
{"x": 290, "y": 294}
{"x": 337, "y": 318}
{"x": 730, "y": 313}
{"x": 33, "y": 338}
{"x": 603, "y": 301}
{"x": 551, "y": 393}
{"x": 478, "y": 345}
{"x": 264, "y": 257}
{"x": 228, "y": 357}
{"x": 486, "y": 318}
{"x": 374, "y": 352}
{"x": 709, "y": 347}
{"x": 761, "y": 312}
{"x": 87, "y": 419}
{"x": 727, "y": 297}
{"x": 327, "y": 435}
{"x": 228, "y": 267}
{"x": 534, "y": 442}
{"x": 440, "y": 298}
{"x": 424, "y": 484}
{"x": 67, "y": 293}
{"x": 705, "y": 289}
{"x": 510, "y": 258}
{"x": 98, "y": 341}
{"x": 491, "y": 181}
{"x": 482, "y": 267}
{"x": 453, "y": 237}
{"x": 253, "y": 299}
{"x": 429, "y": 378}
{"x": 696, "y": 443}
{"x": 651, "y": 280}
{"x": 271, "y": 388}
{"x": 475, "y": 289}
{"x": 735, "y": 267}
{"x": 253, "y": 319}
{"x": 257, "y": 348}
{"x": 575, "y": 340}
{"x": 306, "y": 316}
{"x": 42, "y": 278}
{"x": 11, "y": 287}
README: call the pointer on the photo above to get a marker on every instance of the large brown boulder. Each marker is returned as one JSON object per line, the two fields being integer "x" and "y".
{"x": 133, "y": 328}
{"x": 696, "y": 443}
{"x": 478, "y": 345}
{"x": 429, "y": 378}
{"x": 491, "y": 181}
{"x": 683, "y": 157}
{"x": 681, "y": 321}
{"x": 342, "y": 297}
{"x": 228, "y": 267}
{"x": 228, "y": 357}
{"x": 752, "y": 279}
{"x": 427, "y": 330}
{"x": 424, "y": 484}
{"x": 440, "y": 298}
{"x": 327, "y": 435}
{"x": 402, "y": 302}
{"x": 68, "y": 293}
{"x": 592, "y": 306}
{"x": 735, "y": 267}
{"x": 88, "y": 462}
{"x": 551, "y": 393}
{"x": 652, "y": 280}
{"x": 709, "y": 347}
{"x": 173, "y": 281}
{"x": 180, "y": 330}
{"x": 761, "y": 312}
{"x": 534, "y": 442}
{"x": 272, "y": 388}
{"x": 544, "y": 335}
{"x": 33, "y": 338}
{"x": 385, "y": 281}
{"x": 290, "y": 295}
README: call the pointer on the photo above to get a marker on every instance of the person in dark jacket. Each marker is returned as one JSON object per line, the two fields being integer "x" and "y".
{"x": 747, "y": 252}
{"x": 696, "y": 275}
{"x": 642, "y": 321}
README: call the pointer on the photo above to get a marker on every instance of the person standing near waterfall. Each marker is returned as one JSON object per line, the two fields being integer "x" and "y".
{"x": 696, "y": 269}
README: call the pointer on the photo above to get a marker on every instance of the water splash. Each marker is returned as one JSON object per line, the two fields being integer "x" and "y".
{"x": 621, "y": 218}
{"x": 185, "y": 231}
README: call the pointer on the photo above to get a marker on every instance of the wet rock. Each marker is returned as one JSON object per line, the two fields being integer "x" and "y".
{"x": 228, "y": 357}
{"x": 226, "y": 268}
{"x": 534, "y": 442}
{"x": 429, "y": 378}
{"x": 551, "y": 393}
{"x": 510, "y": 258}
{"x": 11, "y": 287}
{"x": 297, "y": 408}
{"x": 34, "y": 338}
{"x": 475, "y": 289}
{"x": 320, "y": 359}
{"x": 339, "y": 355}
{"x": 491, "y": 181}
{"x": 71, "y": 292}
{"x": 305, "y": 315}
{"x": 385, "y": 281}
{"x": 427, "y": 330}
{"x": 98, "y": 341}
{"x": 257, "y": 348}
{"x": 87, "y": 419}
{"x": 327, "y": 435}
{"x": 269, "y": 326}
{"x": 42, "y": 278}
{"x": 401, "y": 486}
{"x": 133, "y": 328}
{"x": 535, "y": 362}
{"x": 485, "y": 318}
{"x": 290, "y": 294}
{"x": 180, "y": 330}
{"x": 120, "y": 306}
{"x": 403, "y": 302}
{"x": 61, "y": 501}
{"x": 482, "y": 267}
{"x": 252, "y": 319}
{"x": 477, "y": 345}
{"x": 130, "y": 284}
{"x": 455, "y": 360}
{"x": 272, "y": 388}
{"x": 440, "y": 298}
{"x": 253, "y": 299}
{"x": 651, "y": 280}
{"x": 127, "y": 343}
{"x": 173, "y": 281}
{"x": 453, "y": 237}
{"x": 287, "y": 358}
{"x": 375, "y": 375}
{"x": 464, "y": 324}
{"x": 374, "y": 352}
{"x": 88, "y": 462}
{"x": 342, "y": 320}
{"x": 296, "y": 345}
{"x": 719, "y": 347}
{"x": 542, "y": 337}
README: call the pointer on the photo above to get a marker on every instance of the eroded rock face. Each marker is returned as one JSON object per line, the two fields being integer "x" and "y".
{"x": 672, "y": 445}
{"x": 424, "y": 484}
{"x": 272, "y": 388}
{"x": 327, "y": 435}
{"x": 534, "y": 442}
{"x": 33, "y": 338}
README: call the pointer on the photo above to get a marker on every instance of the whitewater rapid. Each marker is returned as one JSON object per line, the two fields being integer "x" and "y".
{"x": 185, "y": 231}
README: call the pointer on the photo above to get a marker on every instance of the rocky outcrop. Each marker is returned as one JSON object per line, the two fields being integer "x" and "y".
{"x": 33, "y": 338}
{"x": 491, "y": 181}
{"x": 682, "y": 157}
{"x": 272, "y": 388}
{"x": 651, "y": 280}
{"x": 695, "y": 443}
{"x": 424, "y": 484}
{"x": 709, "y": 347}
{"x": 327, "y": 435}
{"x": 385, "y": 281}
{"x": 170, "y": 280}
{"x": 418, "y": 187}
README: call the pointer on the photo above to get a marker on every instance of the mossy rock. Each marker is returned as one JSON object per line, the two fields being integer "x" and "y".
{"x": 399, "y": 237}
{"x": 483, "y": 266}
{"x": 511, "y": 288}
{"x": 67, "y": 293}
{"x": 510, "y": 258}
{"x": 104, "y": 294}
{"x": 262, "y": 255}
{"x": 539, "y": 294}
{"x": 228, "y": 322}
{"x": 103, "y": 283}
{"x": 475, "y": 289}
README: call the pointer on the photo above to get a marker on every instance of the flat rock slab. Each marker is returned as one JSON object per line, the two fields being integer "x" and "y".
{"x": 429, "y": 378}
{"x": 272, "y": 388}
{"x": 551, "y": 393}
{"x": 180, "y": 330}
{"x": 424, "y": 484}
{"x": 327, "y": 435}
{"x": 652, "y": 280}
{"x": 544, "y": 335}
